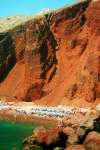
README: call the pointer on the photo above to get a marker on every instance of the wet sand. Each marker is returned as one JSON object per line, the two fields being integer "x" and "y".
{"x": 27, "y": 118}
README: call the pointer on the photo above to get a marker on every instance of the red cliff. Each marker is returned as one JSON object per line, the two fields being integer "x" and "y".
{"x": 53, "y": 59}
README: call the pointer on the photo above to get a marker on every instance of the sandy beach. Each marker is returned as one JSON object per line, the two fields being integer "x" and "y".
{"x": 21, "y": 118}
{"x": 14, "y": 116}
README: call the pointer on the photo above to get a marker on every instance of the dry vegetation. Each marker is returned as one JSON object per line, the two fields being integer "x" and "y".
{"x": 10, "y": 22}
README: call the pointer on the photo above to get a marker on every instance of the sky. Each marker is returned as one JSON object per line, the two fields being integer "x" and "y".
{"x": 29, "y": 7}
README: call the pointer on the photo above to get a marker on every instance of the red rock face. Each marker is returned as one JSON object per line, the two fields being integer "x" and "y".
{"x": 48, "y": 137}
{"x": 61, "y": 53}
{"x": 7, "y": 54}
{"x": 20, "y": 43}
{"x": 40, "y": 59}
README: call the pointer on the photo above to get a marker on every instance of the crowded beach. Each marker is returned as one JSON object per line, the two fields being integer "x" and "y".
{"x": 33, "y": 110}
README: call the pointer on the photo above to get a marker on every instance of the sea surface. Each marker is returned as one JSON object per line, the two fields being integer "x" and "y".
{"x": 12, "y": 133}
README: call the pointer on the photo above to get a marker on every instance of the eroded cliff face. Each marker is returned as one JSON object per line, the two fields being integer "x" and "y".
{"x": 40, "y": 60}
{"x": 60, "y": 55}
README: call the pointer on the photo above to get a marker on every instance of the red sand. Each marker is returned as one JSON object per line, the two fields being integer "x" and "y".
{"x": 51, "y": 122}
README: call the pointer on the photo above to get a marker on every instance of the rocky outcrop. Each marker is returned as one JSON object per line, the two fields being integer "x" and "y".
{"x": 72, "y": 140}
{"x": 92, "y": 141}
{"x": 58, "y": 148}
{"x": 87, "y": 136}
{"x": 45, "y": 138}
{"x": 72, "y": 120}
{"x": 60, "y": 51}
{"x": 75, "y": 147}
{"x": 31, "y": 140}
{"x": 36, "y": 130}
{"x": 68, "y": 131}
{"x": 98, "y": 109}
{"x": 49, "y": 137}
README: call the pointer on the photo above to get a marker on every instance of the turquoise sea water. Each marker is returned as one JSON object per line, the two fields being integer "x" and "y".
{"x": 13, "y": 133}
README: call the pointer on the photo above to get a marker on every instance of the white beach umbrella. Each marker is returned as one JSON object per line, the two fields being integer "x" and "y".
{"x": 59, "y": 106}
{"x": 1, "y": 106}
{"x": 7, "y": 106}
{"x": 30, "y": 106}
{"x": 34, "y": 107}
{"x": 11, "y": 103}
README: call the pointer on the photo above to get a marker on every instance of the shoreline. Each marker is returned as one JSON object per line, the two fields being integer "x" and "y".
{"x": 14, "y": 116}
{"x": 53, "y": 125}
{"x": 52, "y": 122}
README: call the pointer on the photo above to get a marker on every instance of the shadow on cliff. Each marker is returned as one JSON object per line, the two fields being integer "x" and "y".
{"x": 48, "y": 60}
{"x": 8, "y": 56}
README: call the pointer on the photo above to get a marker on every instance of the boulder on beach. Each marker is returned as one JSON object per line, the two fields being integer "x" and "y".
{"x": 92, "y": 112}
{"x": 98, "y": 109}
{"x": 58, "y": 148}
{"x": 72, "y": 140}
{"x": 92, "y": 141}
{"x": 75, "y": 147}
{"x": 95, "y": 0}
{"x": 48, "y": 137}
{"x": 36, "y": 130}
{"x": 53, "y": 137}
{"x": 68, "y": 131}
{"x": 89, "y": 123}
{"x": 31, "y": 140}
{"x": 81, "y": 133}
{"x": 34, "y": 146}
{"x": 41, "y": 137}
{"x": 26, "y": 148}
{"x": 72, "y": 120}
